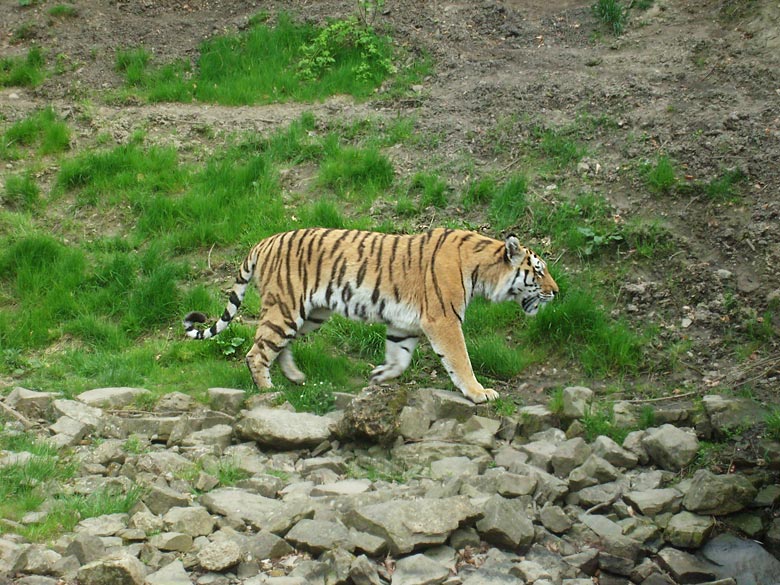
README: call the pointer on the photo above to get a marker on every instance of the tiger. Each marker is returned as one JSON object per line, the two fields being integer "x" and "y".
{"x": 414, "y": 284}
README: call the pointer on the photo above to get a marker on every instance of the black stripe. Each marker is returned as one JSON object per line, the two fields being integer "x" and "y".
{"x": 234, "y": 300}
{"x": 361, "y": 274}
{"x": 399, "y": 339}
{"x": 454, "y": 310}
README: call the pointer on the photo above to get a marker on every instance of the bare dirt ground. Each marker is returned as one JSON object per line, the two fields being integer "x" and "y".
{"x": 697, "y": 80}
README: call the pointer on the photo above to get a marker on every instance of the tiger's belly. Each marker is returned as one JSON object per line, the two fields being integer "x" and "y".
{"x": 365, "y": 305}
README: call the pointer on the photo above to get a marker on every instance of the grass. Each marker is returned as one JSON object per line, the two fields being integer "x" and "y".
{"x": 23, "y": 71}
{"x": 21, "y": 192}
{"x": 600, "y": 421}
{"x": 612, "y": 13}
{"x": 660, "y": 176}
{"x": 773, "y": 423}
{"x": 356, "y": 173}
{"x": 300, "y": 62}
{"x": 44, "y": 130}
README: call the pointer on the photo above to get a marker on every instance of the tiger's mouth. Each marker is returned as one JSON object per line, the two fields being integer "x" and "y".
{"x": 532, "y": 304}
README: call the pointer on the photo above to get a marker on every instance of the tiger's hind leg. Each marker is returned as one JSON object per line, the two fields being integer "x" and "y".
{"x": 286, "y": 362}
{"x": 276, "y": 329}
{"x": 399, "y": 347}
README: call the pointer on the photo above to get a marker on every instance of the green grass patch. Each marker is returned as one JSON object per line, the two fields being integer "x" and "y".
{"x": 509, "y": 204}
{"x": 21, "y": 192}
{"x": 288, "y": 61}
{"x": 601, "y": 421}
{"x": 62, "y": 11}
{"x": 431, "y": 188}
{"x": 356, "y": 173}
{"x": 26, "y": 71}
{"x": 559, "y": 147}
{"x": 660, "y": 176}
{"x": 613, "y": 14}
{"x": 724, "y": 187}
{"x": 43, "y": 130}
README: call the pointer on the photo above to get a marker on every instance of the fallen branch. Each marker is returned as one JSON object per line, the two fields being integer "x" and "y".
{"x": 660, "y": 398}
{"x": 28, "y": 424}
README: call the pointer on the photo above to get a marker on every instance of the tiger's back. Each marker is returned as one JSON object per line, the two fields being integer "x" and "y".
{"x": 414, "y": 283}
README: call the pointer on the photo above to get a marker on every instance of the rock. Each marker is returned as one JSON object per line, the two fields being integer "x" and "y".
{"x": 534, "y": 419}
{"x": 192, "y": 520}
{"x": 569, "y": 455}
{"x": 373, "y": 414}
{"x": 597, "y": 494}
{"x": 413, "y": 423}
{"x": 684, "y": 567}
{"x": 266, "y": 545}
{"x": 219, "y": 555}
{"x": 594, "y": 470}
{"x": 728, "y": 414}
{"x": 33, "y": 405}
{"x": 171, "y": 541}
{"x": 363, "y": 572}
{"x": 92, "y": 417}
{"x": 159, "y": 499}
{"x": 218, "y": 436}
{"x": 441, "y": 404}
{"x": 419, "y": 570}
{"x": 618, "y": 552}
{"x": 425, "y": 453}
{"x": 654, "y": 502}
{"x": 9, "y": 555}
{"x": 613, "y": 453}
{"x": 554, "y": 519}
{"x": 718, "y": 494}
{"x": 111, "y": 398}
{"x": 670, "y": 448}
{"x": 171, "y": 574}
{"x": 106, "y": 525}
{"x": 281, "y": 429}
{"x": 505, "y": 523}
{"x": 453, "y": 467}
{"x": 36, "y": 559}
{"x": 688, "y": 530}
{"x": 512, "y": 485}
{"x": 633, "y": 444}
{"x": 577, "y": 401}
{"x": 86, "y": 548}
{"x": 121, "y": 570}
{"x": 227, "y": 400}
{"x": 540, "y": 454}
{"x": 489, "y": 577}
{"x": 344, "y": 487}
{"x": 743, "y": 560}
{"x": 317, "y": 536}
{"x": 241, "y": 504}
{"x": 407, "y": 524}
{"x": 338, "y": 563}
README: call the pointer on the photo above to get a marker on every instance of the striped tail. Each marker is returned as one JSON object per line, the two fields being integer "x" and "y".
{"x": 234, "y": 303}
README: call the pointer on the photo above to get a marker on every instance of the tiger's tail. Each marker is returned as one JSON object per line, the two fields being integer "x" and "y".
{"x": 235, "y": 299}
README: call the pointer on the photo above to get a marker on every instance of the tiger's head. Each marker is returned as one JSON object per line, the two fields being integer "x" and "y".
{"x": 529, "y": 281}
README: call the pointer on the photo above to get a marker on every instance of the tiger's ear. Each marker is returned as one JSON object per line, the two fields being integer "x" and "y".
{"x": 514, "y": 251}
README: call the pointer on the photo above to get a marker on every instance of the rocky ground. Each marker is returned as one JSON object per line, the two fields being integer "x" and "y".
{"x": 427, "y": 491}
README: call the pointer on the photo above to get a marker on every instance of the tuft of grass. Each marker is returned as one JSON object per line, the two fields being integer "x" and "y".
{"x": 601, "y": 421}
{"x": 44, "y": 129}
{"x": 647, "y": 417}
{"x": 362, "y": 173}
{"x": 479, "y": 192}
{"x": 492, "y": 356}
{"x": 559, "y": 147}
{"x": 660, "y": 176}
{"x": 773, "y": 423}
{"x": 577, "y": 324}
{"x": 504, "y": 407}
{"x": 650, "y": 239}
{"x": 724, "y": 187}
{"x": 21, "y": 192}
{"x": 63, "y": 11}
{"x": 555, "y": 402}
{"x": 432, "y": 189}
{"x": 509, "y": 204}
{"x": 612, "y": 13}
{"x": 23, "y": 72}
{"x": 311, "y": 397}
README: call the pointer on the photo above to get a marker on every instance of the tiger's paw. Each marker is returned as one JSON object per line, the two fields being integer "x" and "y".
{"x": 480, "y": 396}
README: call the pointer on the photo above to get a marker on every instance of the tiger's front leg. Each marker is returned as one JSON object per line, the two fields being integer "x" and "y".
{"x": 447, "y": 340}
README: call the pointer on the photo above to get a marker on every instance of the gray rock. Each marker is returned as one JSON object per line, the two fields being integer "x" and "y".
{"x": 453, "y": 467}
{"x": 597, "y": 494}
{"x": 407, "y": 524}
{"x": 594, "y": 470}
{"x": 534, "y": 419}
{"x": 413, "y": 422}
{"x": 425, "y": 453}
{"x": 159, "y": 499}
{"x": 9, "y": 555}
{"x": 688, "y": 530}
{"x": 163, "y": 463}
{"x": 227, "y": 400}
{"x": 685, "y": 567}
{"x": 363, "y": 572}
{"x": 246, "y": 506}
{"x": 570, "y": 455}
{"x": 171, "y": 541}
{"x": 30, "y": 403}
{"x": 317, "y": 536}
{"x": 86, "y": 548}
{"x": 106, "y": 525}
{"x": 746, "y": 561}
{"x": 219, "y": 555}
{"x": 619, "y": 553}
{"x": 36, "y": 559}
{"x": 512, "y": 485}
{"x": 192, "y": 520}
{"x": 505, "y": 523}
{"x": 173, "y": 573}
{"x": 633, "y": 444}
{"x": 441, "y": 404}
{"x": 146, "y": 521}
{"x": 554, "y": 519}
{"x": 338, "y": 563}
{"x": 217, "y": 436}
{"x": 670, "y": 448}
{"x": 654, "y": 502}
{"x": 111, "y": 398}
{"x": 92, "y": 417}
{"x": 540, "y": 454}
{"x": 344, "y": 487}
{"x": 548, "y": 487}
{"x": 121, "y": 570}
{"x": 71, "y": 427}
{"x": 419, "y": 570}
{"x": 373, "y": 414}
{"x": 490, "y": 577}
{"x": 281, "y": 429}
{"x": 266, "y": 545}
{"x": 610, "y": 451}
{"x": 727, "y": 414}
{"x": 718, "y": 494}
{"x": 577, "y": 401}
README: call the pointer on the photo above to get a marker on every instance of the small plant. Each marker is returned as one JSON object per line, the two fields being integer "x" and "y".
{"x": 63, "y": 11}
{"x": 724, "y": 187}
{"x": 479, "y": 192}
{"x": 311, "y": 397}
{"x": 773, "y": 423}
{"x": 21, "y": 192}
{"x": 646, "y": 417}
{"x": 22, "y": 72}
{"x": 612, "y": 13}
{"x": 559, "y": 147}
{"x": 433, "y": 189}
{"x": 601, "y": 421}
{"x": 44, "y": 129}
{"x": 230, "y": 347}
{"x": 229, "y": 473}
{"x": 661, "y": 177}
{"x": 504, "y": 407}
{"x": 509, "y": 205}
{"x": 134, "y": 445}
{"x": 555, "y": 402}
{"x": 595, "y": 241}
{"x": 352, "y": 170}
